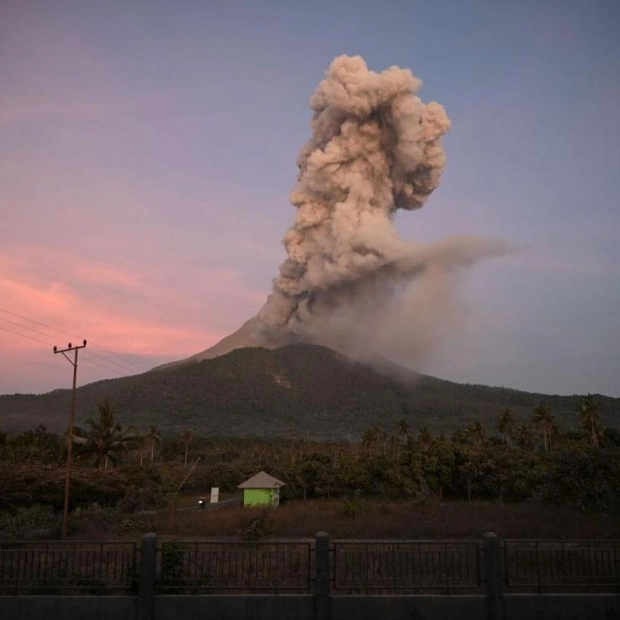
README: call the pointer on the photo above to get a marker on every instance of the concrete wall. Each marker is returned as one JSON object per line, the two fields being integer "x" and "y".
{"x": 564, "y": 606}
{"x": 515, "y": 607}
{"x": 254, "y": 607}
{"x": 68, "y": 607}
{"x": 303, "y": 607}
{"x": 409, "y": 607}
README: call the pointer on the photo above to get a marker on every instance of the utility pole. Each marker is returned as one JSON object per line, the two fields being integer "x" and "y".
{"x": 74, "y": 363}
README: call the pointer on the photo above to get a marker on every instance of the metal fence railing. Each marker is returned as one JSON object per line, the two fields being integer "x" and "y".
{"x": 384, "y": 567}
{"x": 219, "y": 567}
{"x": 561, "y": 566}
{"x": 296, "y": 567}
{"x": 58, "y": 567}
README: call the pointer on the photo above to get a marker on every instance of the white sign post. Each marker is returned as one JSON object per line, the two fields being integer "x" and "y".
{"x": 215, "y": 495}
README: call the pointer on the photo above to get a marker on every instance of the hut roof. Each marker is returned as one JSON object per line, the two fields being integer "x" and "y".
{"x": 261, "y": 480}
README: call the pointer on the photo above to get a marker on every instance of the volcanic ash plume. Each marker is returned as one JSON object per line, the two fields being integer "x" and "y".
{"x": 349, "y": 280}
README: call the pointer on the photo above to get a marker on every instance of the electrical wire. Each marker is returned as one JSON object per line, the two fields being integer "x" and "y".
{"x": 84, "y": 358}
{"x": 37, "y": 331}
{"x": 24, "y": 336}
{"x": 88, "y": 360}
{"x": 125, "y": 368}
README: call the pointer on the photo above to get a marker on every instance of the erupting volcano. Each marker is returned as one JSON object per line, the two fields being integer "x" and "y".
{"x": 349, "y": 281}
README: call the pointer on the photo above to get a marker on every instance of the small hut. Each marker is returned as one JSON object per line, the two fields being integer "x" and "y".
{"x": 261, "y": 490}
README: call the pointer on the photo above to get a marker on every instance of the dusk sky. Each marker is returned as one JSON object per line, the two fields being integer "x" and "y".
{"x": 147, "y": 151}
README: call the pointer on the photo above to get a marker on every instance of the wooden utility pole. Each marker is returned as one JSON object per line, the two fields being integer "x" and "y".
{"x": 74, "y": 363}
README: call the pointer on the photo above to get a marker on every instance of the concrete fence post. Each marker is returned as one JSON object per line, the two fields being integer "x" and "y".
{"x": 148, "y": 575}
{"x": 322, "y": 603}
{"x": 493, "y": 566}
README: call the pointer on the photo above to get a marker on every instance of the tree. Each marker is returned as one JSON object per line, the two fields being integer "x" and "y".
{"x": 425, "y": 439}
{"x": 506, "y": 426}
{"x": 405, "y": 431}
{"x": 472, "y": 441}
{"x": 437, "y": 465}
{"x": 544, "y": 420}
{"x": 590, "y": 419}
{"x": 138, "y": 443}
{"x": 153, "y": 437}
{"x": 584, "y": 477}
{"x": 105, "y": 436}
{"x": 313, "y": 473}
{"x": 477, "y": 433}
{"x": 187, "y": 437}
{"x": 38, "y": 445}
{"x": 525, "y": 435}
{"x": 371, "y": 437}
{"x": 469, "y": 466}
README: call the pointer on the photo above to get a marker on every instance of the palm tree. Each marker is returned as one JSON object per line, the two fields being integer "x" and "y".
{"x": 543, "y": 419}
{"x": 105, "y": 436}
{"x": 138, "y": 443}
{"x": 405, "y": 431}
{"x": 477, "y": 432}
{"x": 154, "y": 437}
{"x": 395, "y": 447}
{"x": 370, "y": 438}
{"x": 506, "y": 425}
{"x": 590, "y": 419}
{"x": 187, "y": 437}
{"x": 382, "y": 438}
{"x": 525, "y": 435}
{"x": 425, "y": 439}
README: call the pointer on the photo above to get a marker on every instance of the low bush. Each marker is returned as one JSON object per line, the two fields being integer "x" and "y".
{"x": 35, "y": 521}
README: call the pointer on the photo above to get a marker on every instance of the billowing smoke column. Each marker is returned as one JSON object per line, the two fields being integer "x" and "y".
{"x": 349, "y": 281}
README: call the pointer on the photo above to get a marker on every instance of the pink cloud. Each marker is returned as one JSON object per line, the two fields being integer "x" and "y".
{"x": 76, "y": 304}
{"x": 124, "y": 310}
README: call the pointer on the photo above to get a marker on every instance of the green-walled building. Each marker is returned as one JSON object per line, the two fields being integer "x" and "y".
{"x": 261, "y": 490}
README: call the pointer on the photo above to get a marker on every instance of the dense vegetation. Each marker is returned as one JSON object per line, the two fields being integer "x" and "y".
{"x": 296, "y": 391}
{"x": 126, "y": 471}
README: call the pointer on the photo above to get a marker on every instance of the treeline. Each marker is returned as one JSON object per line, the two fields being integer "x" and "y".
{"x": 288, "y": 391}
{"x": 120, "y": 465}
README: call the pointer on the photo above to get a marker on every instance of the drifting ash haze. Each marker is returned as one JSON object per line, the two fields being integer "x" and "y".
{"x": 349, "y": 281}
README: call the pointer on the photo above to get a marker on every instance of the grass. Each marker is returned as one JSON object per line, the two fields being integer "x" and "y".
{"x": 190, "y": 500}
{"x": 385, "y": 519}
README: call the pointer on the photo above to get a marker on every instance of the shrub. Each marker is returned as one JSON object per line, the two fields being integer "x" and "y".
{"x": 26, "y": 522}
{"x": 585, "y": 478}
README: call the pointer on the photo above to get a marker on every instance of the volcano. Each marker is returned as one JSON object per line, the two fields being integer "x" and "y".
{"x": 244, "y": 337}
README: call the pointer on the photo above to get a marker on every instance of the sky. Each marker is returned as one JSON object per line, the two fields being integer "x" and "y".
{"x": 148, "y": 149}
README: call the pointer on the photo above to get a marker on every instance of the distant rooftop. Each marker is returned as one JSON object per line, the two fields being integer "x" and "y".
{"x": 261, "y": 480}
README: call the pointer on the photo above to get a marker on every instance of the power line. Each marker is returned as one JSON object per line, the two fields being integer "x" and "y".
{"x": 127, "y": 369}
{"x": 92, "y": 361}
{"x": 37, "y": 331}
{"x": 61, "y": 331}
{"x": 25, "y": 318}
{"x": 139, "y": 366}
{"x": 24, "y": 336}
{"x": 85, "y": 359}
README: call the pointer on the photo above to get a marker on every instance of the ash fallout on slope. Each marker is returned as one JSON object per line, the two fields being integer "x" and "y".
{"x": 349, "y": 281}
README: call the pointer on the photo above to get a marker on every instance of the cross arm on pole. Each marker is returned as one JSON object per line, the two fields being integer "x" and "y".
{"x": 70, "y": 347}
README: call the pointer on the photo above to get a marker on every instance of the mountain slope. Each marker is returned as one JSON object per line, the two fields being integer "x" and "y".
{"x": 243, "y": 338}
{"x": 291, "y": 391}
